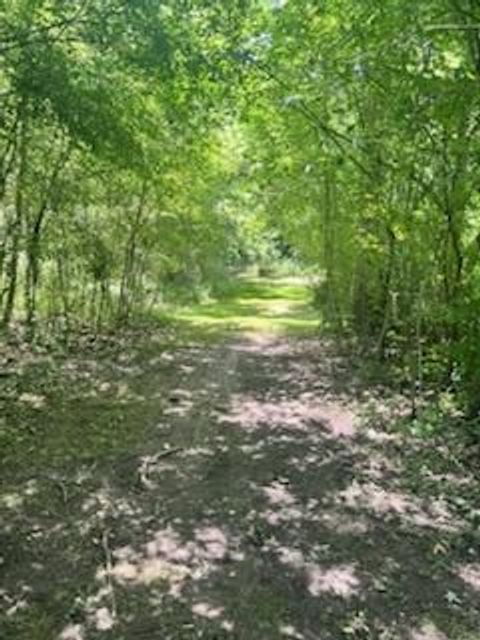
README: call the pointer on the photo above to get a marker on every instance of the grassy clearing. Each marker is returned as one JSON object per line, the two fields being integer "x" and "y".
{"x": 279, "y": 305}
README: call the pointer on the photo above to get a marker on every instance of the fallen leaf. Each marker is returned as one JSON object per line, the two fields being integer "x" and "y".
{"x": 441, "y": 548}
{"x": 452, "y": 598}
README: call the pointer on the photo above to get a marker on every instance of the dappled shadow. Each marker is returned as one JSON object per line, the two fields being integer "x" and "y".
{"x": 259, "y": 505}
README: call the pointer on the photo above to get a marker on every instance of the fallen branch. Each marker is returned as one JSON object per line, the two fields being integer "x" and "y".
{"x": 108, "y": 571}
{"x": 59, "y": 484}
{"x": 145, "y": 467}
{"x": 168, "y": 452}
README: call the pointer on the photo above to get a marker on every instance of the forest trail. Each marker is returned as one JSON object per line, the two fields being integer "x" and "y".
{"x": 243, "y": 485}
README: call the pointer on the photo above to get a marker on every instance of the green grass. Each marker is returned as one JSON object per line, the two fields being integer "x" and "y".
{"x": 253, "y": 304}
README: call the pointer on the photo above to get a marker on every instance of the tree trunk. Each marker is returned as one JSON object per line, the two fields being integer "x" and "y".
{"x": 126, "y": 285}
{"x": 386, "y": 294}
{"x": 34, "y": 243}
{"x": 16, "y": 230}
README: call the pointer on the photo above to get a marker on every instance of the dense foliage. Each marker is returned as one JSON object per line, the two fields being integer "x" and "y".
{"x": 146, "y": 148}
{"x": 114, "y": 177}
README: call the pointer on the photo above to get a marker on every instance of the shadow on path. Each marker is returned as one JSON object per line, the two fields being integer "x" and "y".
{"x": 264, "y": 505}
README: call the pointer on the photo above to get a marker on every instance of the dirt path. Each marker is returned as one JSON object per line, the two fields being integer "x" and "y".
{"x": 263, "y": 502}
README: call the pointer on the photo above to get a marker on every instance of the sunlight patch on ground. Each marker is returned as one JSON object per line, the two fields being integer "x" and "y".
{"x": 387, "y": 503}
{"x": 338, "y": 581}
{"x": 277, "y": 306}
{"x": 428, "y": 631}
{"x": 283, "y": 505}
{"x": 278, "y": 494}
{"x": 169, "y": 559}
{"x": 289, "y": 631}
{"x": 343, "y": 524}
{"x": 470, "y": 574}
{"x": 211, "y": 612}
{"x": 301, "y": 415}
{"x": 73, "y": 632}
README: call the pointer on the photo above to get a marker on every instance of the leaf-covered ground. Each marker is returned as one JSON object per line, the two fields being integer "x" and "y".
{"x": 235, "y": 480}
